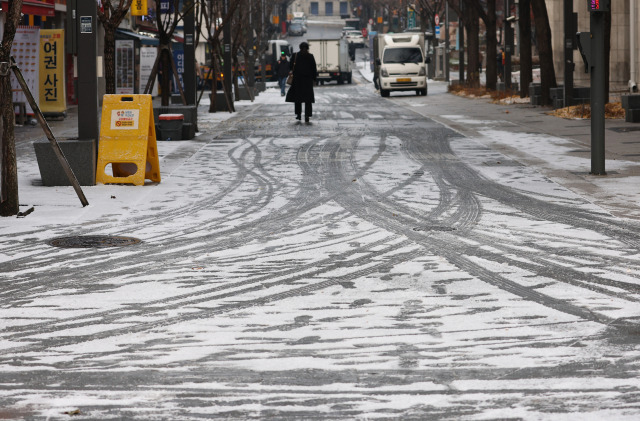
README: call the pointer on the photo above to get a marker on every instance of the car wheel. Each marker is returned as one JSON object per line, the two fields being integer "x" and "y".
{"x": 384, "y": 93}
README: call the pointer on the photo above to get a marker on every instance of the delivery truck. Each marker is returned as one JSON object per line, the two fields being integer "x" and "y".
{"x": 400, "y": 63}
{"x": 332, "y": 59}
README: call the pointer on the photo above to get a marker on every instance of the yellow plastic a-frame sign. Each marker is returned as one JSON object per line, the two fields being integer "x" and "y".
{"x": 127, "y": 141}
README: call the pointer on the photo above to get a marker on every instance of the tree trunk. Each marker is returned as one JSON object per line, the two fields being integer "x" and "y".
{"x": 470, "y": 19}
{"x": 167, "y": 73}
{"x": 214, "y": 76}
{"x": 526, "y": 74}
{"x": 472, "y": 26}
{"x": 110, "y": 59}
{"x": 492, "y": 45}
{"x": 9, "y": 204}
{"x": 545, "y": 49}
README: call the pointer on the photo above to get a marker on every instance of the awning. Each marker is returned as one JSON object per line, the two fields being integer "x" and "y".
{"x": 144, "y": 40}
{"x": 34, "y": 7}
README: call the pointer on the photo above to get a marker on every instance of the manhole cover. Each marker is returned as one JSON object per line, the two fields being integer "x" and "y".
{"x": 93, "y": 241}
{"x": 434, "y": 228}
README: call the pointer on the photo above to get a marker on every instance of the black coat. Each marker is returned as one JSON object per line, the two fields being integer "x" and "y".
{"x": 282, "y": 69}
{"x": 305, "y": 74}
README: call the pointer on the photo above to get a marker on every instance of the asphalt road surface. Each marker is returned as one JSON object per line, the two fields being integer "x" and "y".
{"x": 373, "y": 264}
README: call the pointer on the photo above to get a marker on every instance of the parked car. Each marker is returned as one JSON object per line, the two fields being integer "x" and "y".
{"x": 296, "y": 29}
{"x": 355, "y": 38}
{"x": 302, "y": 21}
{"x": 346, "y": 29}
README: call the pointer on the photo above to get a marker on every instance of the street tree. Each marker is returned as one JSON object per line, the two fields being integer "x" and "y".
{"x": 545, "y": 49}
{"x": 111, "y": 13}
{"x": 213, "y": 19}
{"x": 471, "y": 21}
{"x": 238, "y": 43}
{"x": 9, "y": 204}
{"x": 428, "y": 9}
{"x": 488, "y": 15}
{"x": 167, "y": 22}
{"x": 526, "y": 62}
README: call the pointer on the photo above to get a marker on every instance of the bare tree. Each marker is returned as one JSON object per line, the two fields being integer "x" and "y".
{"x": 167, "y": 23}
{"x": 545, "y": 49}
{"x": 111, "y": 15}
{"x": 489, "y": 18}
{"x": 471, "y": 20}
{"x": 526, "y": 64}
{"x": 214, "y": 21}
{"x": 9, "y": 204}
{"x": 428, "y": 10}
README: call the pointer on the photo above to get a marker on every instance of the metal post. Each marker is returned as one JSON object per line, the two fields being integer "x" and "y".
{"x": 88, "y": 109}
{"x": 461, "y": 41}
{"x": 189, "y": 77}
{"x": 446, "y": 41}
{"x": 226, "y": 41}
{"x": 569, "y": 34}
{"x": 251, "y": 77}
{"x": 508, "y": 44}
{"x": 598, "y": 93}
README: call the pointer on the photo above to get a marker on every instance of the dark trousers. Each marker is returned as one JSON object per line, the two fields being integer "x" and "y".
{"x": 308, "y": 109}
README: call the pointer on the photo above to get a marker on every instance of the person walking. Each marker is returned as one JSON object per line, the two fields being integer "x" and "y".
{"x": 305, "y": 74}
{"x": 282, "y": 71}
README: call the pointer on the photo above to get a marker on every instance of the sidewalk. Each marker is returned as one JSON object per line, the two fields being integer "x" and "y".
{"x": 556, "y": 147}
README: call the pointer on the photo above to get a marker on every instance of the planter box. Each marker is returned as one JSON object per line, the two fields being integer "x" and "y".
{"x": 632, "y": 115}
{"x": 631, "y": 101}
{"x": 244, "y": 94}
{"x": 221, "y": 103}
{"x": 81, "y": 155}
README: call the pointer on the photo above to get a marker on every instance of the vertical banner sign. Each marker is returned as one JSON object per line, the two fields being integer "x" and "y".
{"x": 147, "y": 60}
{"x": 26, "y": 51}
{"x": 52, "y": 77}
{"x": 124, "y": 67}
{"x": 178, "y": 58}
{"x": 139, "y": 8}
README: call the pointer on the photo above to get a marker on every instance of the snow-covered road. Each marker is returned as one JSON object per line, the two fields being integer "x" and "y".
{"x": 374, "y": 264}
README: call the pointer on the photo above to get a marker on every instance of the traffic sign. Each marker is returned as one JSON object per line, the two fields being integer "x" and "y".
{"x": 437, "y": 30}
{"x": 437, "y": 20}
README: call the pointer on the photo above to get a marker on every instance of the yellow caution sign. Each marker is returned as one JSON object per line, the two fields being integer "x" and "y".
{"x": 127, "y": 141}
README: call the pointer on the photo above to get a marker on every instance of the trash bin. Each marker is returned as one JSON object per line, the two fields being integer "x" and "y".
{"x": 170, "y": 126}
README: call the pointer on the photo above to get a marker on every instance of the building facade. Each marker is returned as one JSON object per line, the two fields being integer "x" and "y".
{"x": 312, "y": 8}
{"x": 624, "y": 59}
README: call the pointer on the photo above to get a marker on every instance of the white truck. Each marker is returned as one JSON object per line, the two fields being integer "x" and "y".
{"x": 332, "y": 59}
{"x": 400, "y": 63}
